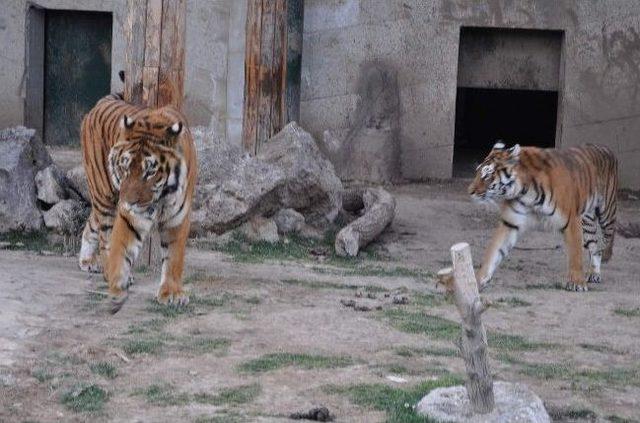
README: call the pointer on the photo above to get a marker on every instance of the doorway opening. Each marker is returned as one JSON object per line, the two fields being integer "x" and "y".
{"x": 68, "y": 70}
{"x": 485, "y": 115}
{"x": 508, "y": 89}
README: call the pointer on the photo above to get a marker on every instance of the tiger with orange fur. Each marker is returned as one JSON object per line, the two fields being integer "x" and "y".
{"x": 141, "y": 169}
{"x": 574, "y": 190}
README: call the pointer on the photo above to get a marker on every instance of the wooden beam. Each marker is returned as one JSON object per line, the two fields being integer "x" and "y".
{"x": 269, "y": 90}
{"x": 154, "y": 76}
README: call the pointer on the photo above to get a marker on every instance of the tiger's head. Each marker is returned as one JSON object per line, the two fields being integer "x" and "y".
{"x": 146, "y": 163}
{"x": 496, "y": 177}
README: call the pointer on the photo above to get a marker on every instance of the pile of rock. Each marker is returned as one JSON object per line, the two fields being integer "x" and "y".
{"x": 34, "y": 192}
{"x": 289, "y": 187}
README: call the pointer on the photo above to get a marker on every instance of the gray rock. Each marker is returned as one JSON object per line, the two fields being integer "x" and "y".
{"x": 67, "y": 217}
{"x": 311, "y": 185}
{"x": 21, "y": 156}
{"x": 289, "y": 221}
{"x": 77, "y": 183}
{"x": 261, "y": 229}
{"x": 232, "y": 186}
{"x": 515, "y": 403}
{"x": 50, "y": 185}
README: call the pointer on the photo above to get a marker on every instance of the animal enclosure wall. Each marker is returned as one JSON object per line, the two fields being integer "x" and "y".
{"x": 591, "y": 47}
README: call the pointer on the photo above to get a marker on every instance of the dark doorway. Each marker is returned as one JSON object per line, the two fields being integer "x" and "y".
{"x": 508, "y": 89}
{"x": 77, "y": 70}
{"x": 484, "y": 116}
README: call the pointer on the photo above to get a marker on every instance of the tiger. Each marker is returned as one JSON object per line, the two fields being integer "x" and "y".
{"x": 141, "y": 170}
{"x": 572, "y": 191}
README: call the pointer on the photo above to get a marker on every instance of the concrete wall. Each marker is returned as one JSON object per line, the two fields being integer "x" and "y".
{"x": 214, "y": 58}
{"x": 599, "y": 71}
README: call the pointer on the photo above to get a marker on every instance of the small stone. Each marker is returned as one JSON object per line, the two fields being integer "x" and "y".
{"x": 259, "y": 229}
{"x": 289, "y": 221}
{"x": 50, "y": 185}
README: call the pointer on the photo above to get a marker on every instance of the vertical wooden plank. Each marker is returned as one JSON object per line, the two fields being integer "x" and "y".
{"x": 153, "y": 33}
{"x": 295, "y": 28}
{"x": 265, "y": 74}
{"x": 174, "y": 13}
{"x": 150, "y": 86}
{"x": 279, "y": 68}
{"x": 251, "y": 75}
{"x": 134, "y": 53}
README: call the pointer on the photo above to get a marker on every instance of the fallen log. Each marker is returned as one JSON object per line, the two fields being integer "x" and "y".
{"x": 379, "y": 210}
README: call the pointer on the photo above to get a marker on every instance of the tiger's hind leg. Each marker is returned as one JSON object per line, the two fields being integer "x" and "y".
{"x": 173, "y": 242}
{"x": 573, "y": 242}
{"x": 89, "y": 258}
{"x": 593, "y": 243}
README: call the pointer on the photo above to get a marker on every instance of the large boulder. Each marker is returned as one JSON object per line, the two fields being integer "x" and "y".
{"x": 513, "y": 403}
{"x": 22, "y": 155}
{"x": 51, "y": 185}
{"x": 232, "y": 185}
{"x": 78, "y": 184}
{"x": 67, "y": 217}
{"x": 311, "y": 185}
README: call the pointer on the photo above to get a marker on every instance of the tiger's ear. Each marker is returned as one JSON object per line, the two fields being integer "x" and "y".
{"x": 175, "y": 129}
{"x": 514, "y": 153}
{"x": 499, "y": 145}
{"x": 127, "y": 122}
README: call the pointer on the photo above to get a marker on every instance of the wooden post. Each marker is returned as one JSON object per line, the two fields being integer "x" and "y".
{"x": 272, "y": 69}
{"x": 473, "y": 342}
{"x": 154, "y": 76}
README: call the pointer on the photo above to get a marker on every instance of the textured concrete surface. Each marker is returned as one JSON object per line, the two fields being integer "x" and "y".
{"x": 599, "y": 76}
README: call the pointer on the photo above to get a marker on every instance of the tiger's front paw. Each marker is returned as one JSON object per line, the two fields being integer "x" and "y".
{"x": 576, "y": 282}
{"x": 594, "y": 278}
{"x": 91, "y": 264}
{"x": 118, "y": 300}
{"x": 172, "y": 296}
{"x": 483, "y": 280}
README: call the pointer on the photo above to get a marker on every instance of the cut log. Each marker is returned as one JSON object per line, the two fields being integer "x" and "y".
{"x": 380, "y": 208}
{"x": 473, "y": 342}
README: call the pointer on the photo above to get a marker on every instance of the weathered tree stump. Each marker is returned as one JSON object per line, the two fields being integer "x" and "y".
{"x": 379, "y": 211}
{"x": 473, "y": 342}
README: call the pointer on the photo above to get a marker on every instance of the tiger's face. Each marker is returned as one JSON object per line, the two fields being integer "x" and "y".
{"x": 496, "y": 177}
{"x": 144, "y": 164}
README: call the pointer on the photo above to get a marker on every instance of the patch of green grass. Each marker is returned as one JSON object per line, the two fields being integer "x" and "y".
{"x": 276, "y": 361}
{"x": 617, "y": 376}
{"x": 396, "y": 402}
{"x": 333, "y": 285}
{"x": 196, "y": 304}
{"x": 84, "y": 398}
{"x": 222, "y": 418}
{"x": 104, "y": 369}
{"x": 425, "y": 300}
{"x": 42, "y": 375}
{"x": 422, "y": 323}
{"x": 237, "y": 395}
{"x": 438, "y": 352}
{"x": 512, "y": 302}
{"x": 31, "y": 241}
{"x": 604, "y": 349}
{"x": 204, "y": 345}
{"x": 148, "y": 326}
{"x": 164, "y": 395}
{"x": 440, "y": 328}
{"x": 627, "y": 312}
{"x": 617, "y": 419}
{"x": 143, "y": 346}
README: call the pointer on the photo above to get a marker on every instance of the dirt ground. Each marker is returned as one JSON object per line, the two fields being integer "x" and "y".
{"x": 273, "y": 331}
